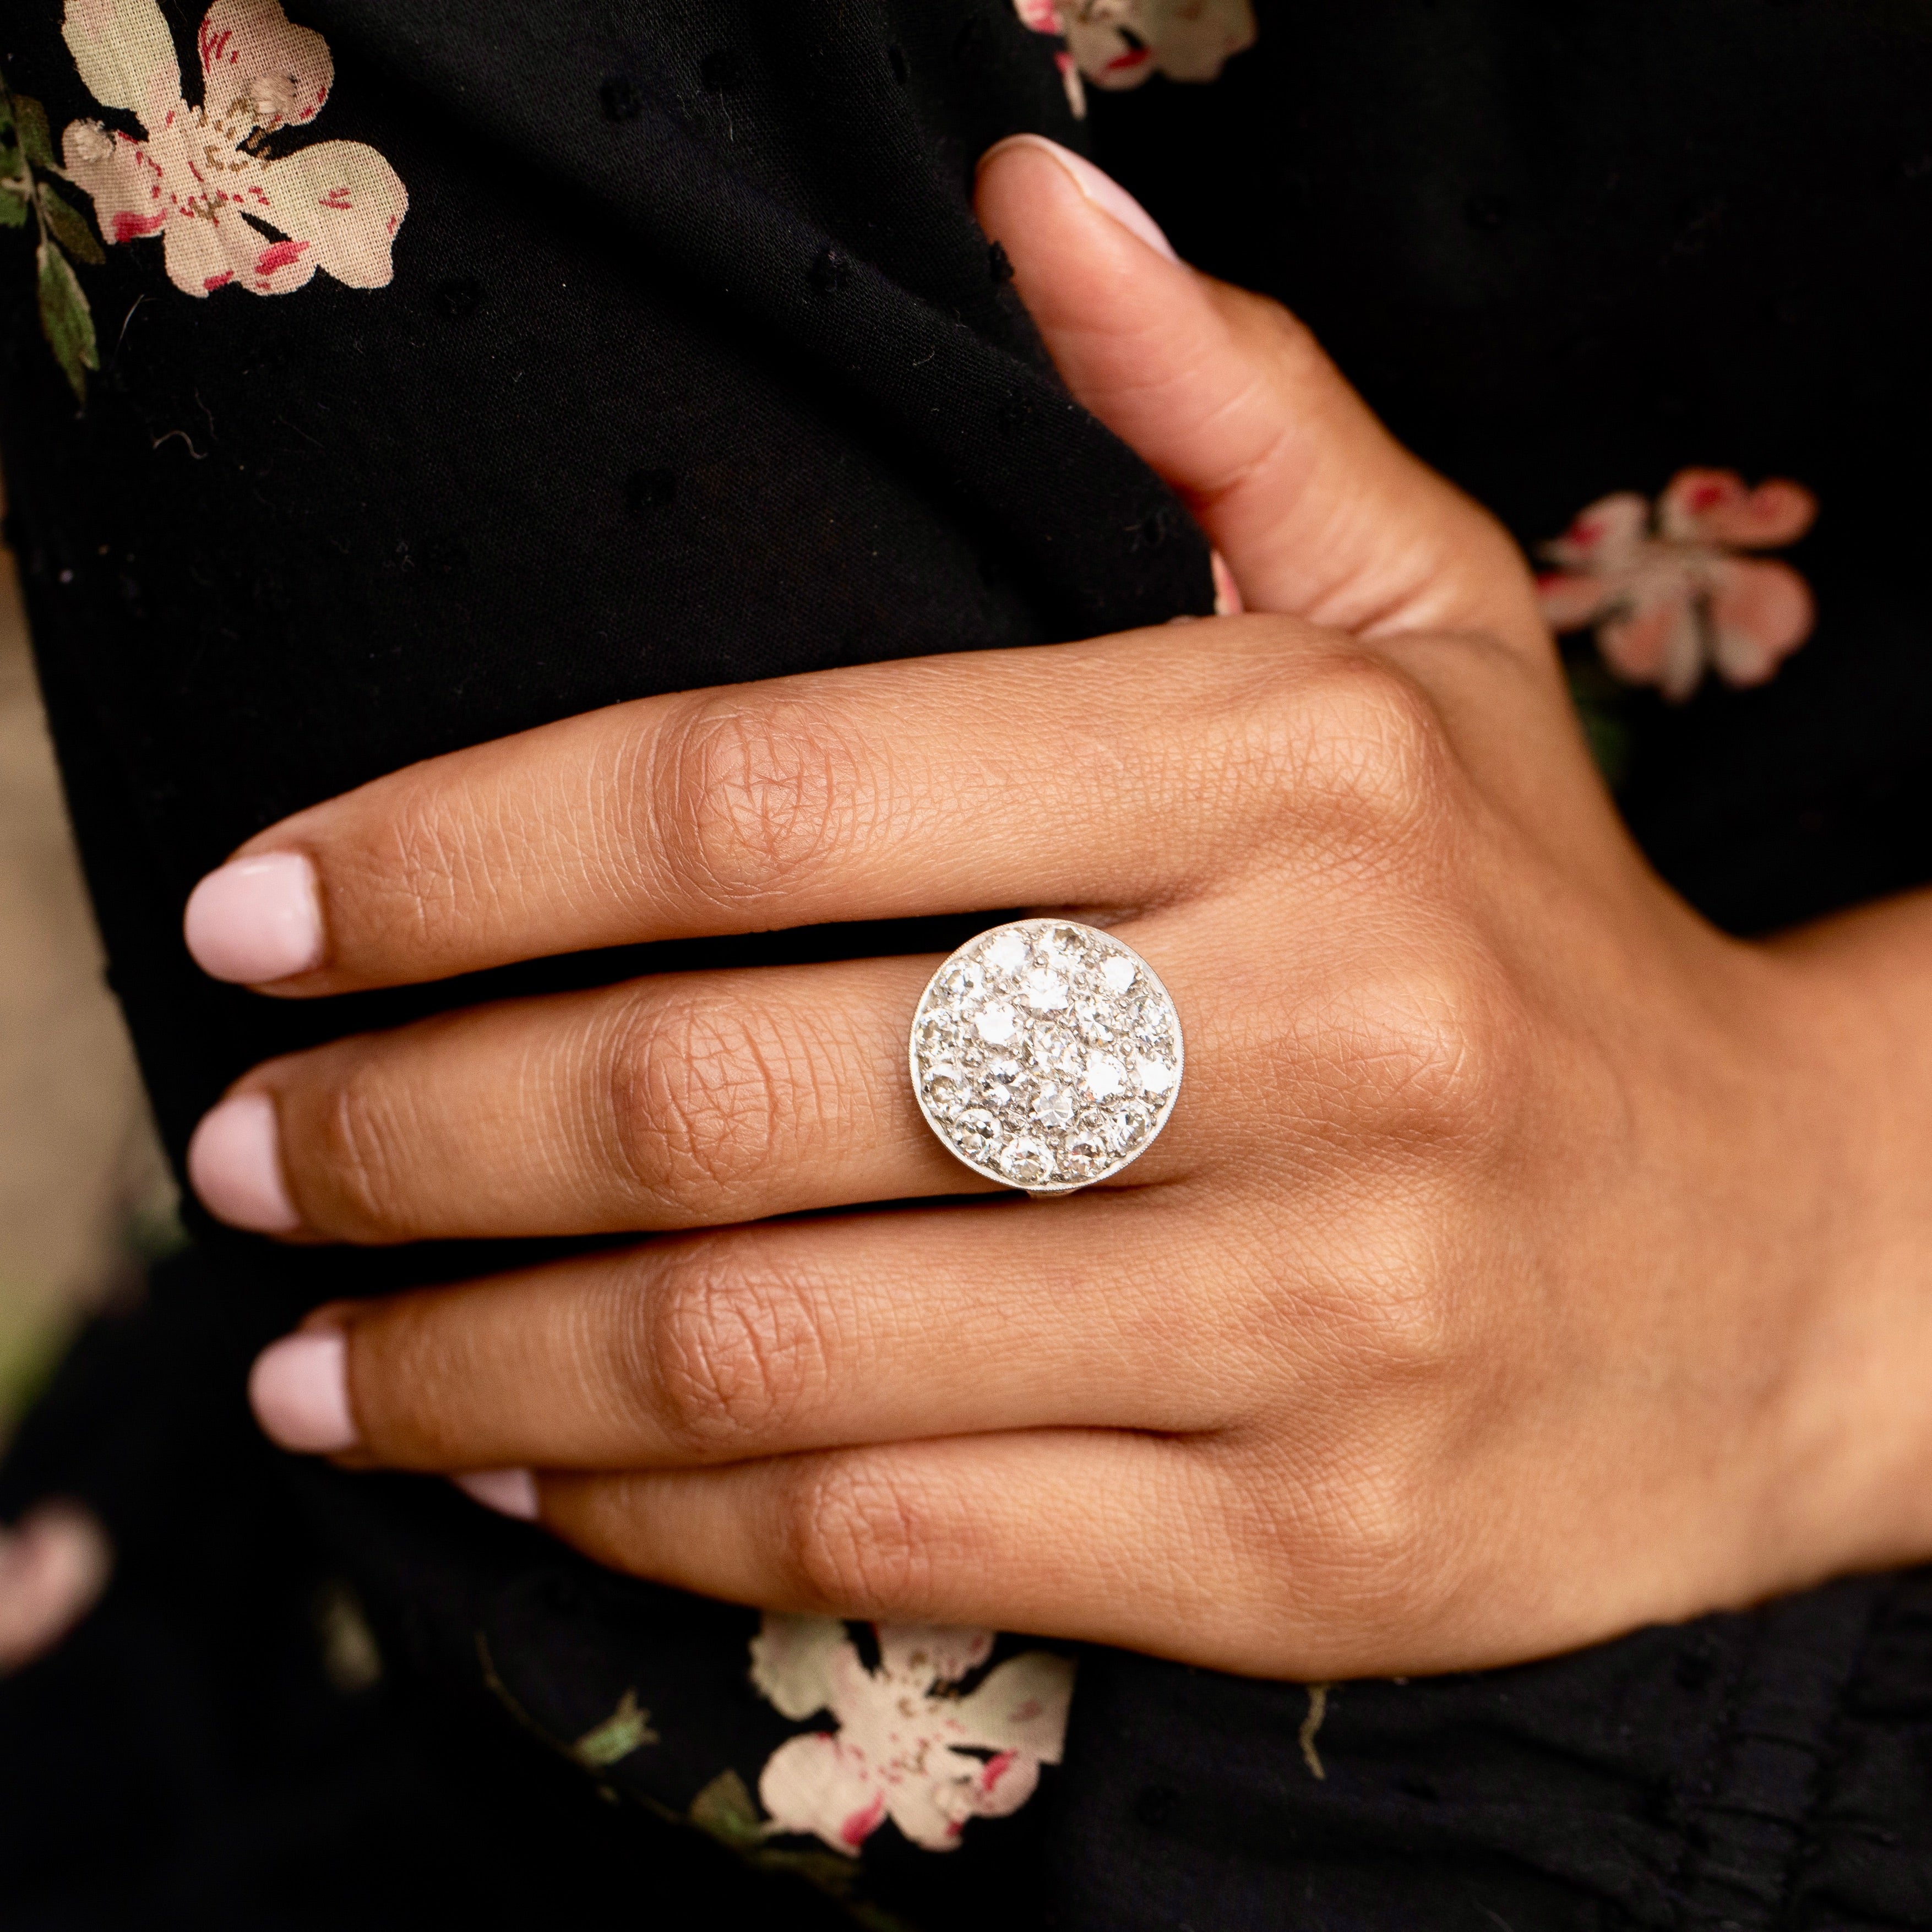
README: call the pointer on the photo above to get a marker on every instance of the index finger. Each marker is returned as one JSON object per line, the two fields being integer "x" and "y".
{"x": 1064, "y": 775}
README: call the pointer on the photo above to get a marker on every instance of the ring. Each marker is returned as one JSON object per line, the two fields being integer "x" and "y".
{"x": 1046, "y": 1055}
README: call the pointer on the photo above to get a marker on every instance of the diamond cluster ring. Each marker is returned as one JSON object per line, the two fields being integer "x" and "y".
{"x": 1046, "y": 1055}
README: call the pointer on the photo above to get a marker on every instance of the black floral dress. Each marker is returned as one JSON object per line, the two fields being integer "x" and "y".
{"x": 379, "y": 378}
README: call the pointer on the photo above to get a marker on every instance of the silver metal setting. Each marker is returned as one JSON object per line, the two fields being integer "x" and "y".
{"x": 1046, "y": 1055}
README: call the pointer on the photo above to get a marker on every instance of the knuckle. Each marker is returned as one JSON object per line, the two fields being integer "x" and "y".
{"x": 1373, "y": 1522}
{"x": 1303, "y": 362}
{"x": 1382, "y": 1322}
{"x": 702, "y": 1101}
{"x": 1379, "y": 1542}
{"x": 855, "y": 1541}
{"x": 354, "y": 1151}
{"x": 1409, "y": 1330}
{"x": 750, "y": 795}
{"x": 413, "y": 1373}
{"x": 1372, "y": 759}
{"x": 1358, "y": 1532}
{"x": 434, "y": 868}
{"x": 1425, "y": 1057}
{"x": 731, "y": 1358}
{"x": 410, "y": 873}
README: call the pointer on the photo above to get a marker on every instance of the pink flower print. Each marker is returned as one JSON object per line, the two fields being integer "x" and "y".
{"x": 201, "y": 180}
{"x": 908, "y": 1747}
{"x": 1042, "y": 17}
{"x": 1666, "y": 591}
{"x": 1120, "y": 44}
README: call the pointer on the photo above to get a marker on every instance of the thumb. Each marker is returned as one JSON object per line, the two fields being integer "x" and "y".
{"x": 1320, "y": 513}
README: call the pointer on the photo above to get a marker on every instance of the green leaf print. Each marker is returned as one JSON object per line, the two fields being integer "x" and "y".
{"x": 628, "y": 1728}
{"x": 69, "y": 227}
{"x": 67, "y": 320}
{"x": 26, "y": 158}
{"x": 723, "y": 1808}
{"x": 36, "y": 138}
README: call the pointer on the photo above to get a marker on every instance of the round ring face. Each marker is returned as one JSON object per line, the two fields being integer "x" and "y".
{"x": 1046, "y": 1055}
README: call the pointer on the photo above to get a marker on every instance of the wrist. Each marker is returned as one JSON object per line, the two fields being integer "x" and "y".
{"x": 1853, "y": 1011}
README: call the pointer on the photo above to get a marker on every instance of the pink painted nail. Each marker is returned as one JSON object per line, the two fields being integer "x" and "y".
{"x": 53, "y": 1569}
{"x": 508, "y": 1492}
{"x": 235, "y": 1161}
{"x": 1101, "y": 190}
{"x": 257, "y": 920}
{"x": 299, "y": 1390}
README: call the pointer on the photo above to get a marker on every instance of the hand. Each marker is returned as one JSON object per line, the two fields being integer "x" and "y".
{"x": 1524, "y": 1260}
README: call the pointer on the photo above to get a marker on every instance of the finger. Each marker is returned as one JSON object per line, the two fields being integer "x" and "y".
{"x": 54, "y": 1567}
{"x": 683, "y": 1100}
{"x": 1318, "y": 509}
{"x": 1110, "y": 1538}
{"x": 801, "y": 1335}
{"x": 680, "y": 1100}
{"x": 1082, "y": 774}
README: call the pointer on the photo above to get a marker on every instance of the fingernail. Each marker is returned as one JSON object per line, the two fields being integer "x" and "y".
{"x": 1101, "y": 190}
{"x": 508, "y": 1492}
{"x": 235, "y": 1162}
{"x": 299, "y": 1390}
{"x": 257, "y": 920}
{"x": 1228, "y": 601}
{"x": 53, "y": 1569}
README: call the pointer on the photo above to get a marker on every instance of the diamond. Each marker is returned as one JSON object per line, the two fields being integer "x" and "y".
{"x": 997, "y": 1024}
{"x": 1045, "y": 991}
{"x": 975, "y": 1132}
{"x": 965, "y": 979}
{"x": 945, "y": 1082}
{"x": 1150, "y": 1034}
{"x": 1046, "y": 1055}
{"x": 1026, "y": 1160}
{"x": 1007, "y": 954}
{"x": 1085, "y": 1154}
{"x": 1000, "y": 1082}
{"x": 998, "y": 1095}
{"x": 1094, "y": 1018}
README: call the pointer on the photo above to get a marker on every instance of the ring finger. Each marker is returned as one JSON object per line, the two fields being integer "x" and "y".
{"x": 677, "y": 1101}
{"x": 668, "y": 1102}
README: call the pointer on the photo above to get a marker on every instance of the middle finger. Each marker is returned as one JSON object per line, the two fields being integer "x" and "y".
{"x": 1114, "y": 772}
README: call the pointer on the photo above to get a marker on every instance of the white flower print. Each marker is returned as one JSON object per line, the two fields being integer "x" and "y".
{"x": 201, "y": 179}
{"x": 1120, "y": 44}
{"x": 907, "y": 1747}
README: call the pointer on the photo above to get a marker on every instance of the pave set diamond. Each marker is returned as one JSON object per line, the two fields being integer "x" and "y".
{"x": 1046, "y": 1055}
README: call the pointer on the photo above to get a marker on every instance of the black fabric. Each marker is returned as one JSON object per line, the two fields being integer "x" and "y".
{"x": 1730, "y": 1774}
{"x": 1567, "y": 251}
{"x": 189, "y": 1758}
{"x": 695, "y": 368}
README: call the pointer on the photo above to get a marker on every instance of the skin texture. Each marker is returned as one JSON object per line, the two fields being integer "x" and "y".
{"x": 1524, "y": 1261}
